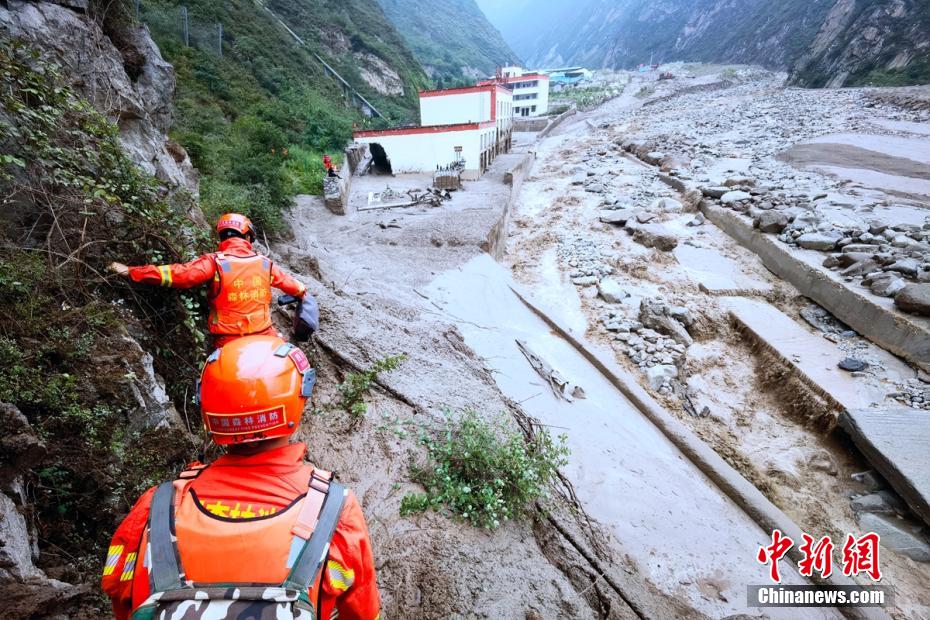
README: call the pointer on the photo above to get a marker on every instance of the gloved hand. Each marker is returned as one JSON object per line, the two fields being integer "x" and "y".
{"x": 119, "y": 269}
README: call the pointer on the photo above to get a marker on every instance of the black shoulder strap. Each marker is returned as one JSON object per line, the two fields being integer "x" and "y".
{"x": 311, "y": 557}
{"x": 165, "y": 571}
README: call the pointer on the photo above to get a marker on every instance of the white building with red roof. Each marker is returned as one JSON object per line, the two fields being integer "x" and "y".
{"x": 471, "y": 124}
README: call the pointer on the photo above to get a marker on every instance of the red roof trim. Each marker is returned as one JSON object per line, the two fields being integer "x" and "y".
{"x": 519, "y": 78}
{"x": 464, "y": 90}
{"x": 406, "y": 131}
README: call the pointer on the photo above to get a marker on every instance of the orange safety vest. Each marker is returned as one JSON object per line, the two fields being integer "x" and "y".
{"x": 241, "y": 295}
{"x": 215, "y": 552}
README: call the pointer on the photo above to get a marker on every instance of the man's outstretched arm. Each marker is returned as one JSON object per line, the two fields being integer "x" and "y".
{"x": 178, "y": 275}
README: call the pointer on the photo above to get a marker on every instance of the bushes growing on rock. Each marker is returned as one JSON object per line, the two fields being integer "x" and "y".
{"x": 73, "y": 201}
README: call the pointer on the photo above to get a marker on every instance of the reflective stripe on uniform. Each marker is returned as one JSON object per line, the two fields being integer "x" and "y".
{"x": 165, "y": 271}
{"x": 113, "y": 555}
{"x": 129, "y": 567}
{"x": 340, "y": 577}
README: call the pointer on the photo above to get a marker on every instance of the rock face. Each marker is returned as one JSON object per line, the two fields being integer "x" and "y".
{"x": 28, "y": 592}
{"x": 914, "y": 298}
{"x": 856, "y": 39}
{"x": 139, "y": 103}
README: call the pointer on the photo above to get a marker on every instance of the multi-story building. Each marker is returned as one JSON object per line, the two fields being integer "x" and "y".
{"x": 530, "y": 90}
{"x": 471, "y": 125}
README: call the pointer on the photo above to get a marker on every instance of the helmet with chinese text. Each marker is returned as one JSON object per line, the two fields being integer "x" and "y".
{"x": 237, "y": 222}
{"x": 253, "y": 389}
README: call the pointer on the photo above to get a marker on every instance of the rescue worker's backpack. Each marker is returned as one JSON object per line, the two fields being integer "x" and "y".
{"x": 241, "y": 295}
{"x": 174, "y": 597}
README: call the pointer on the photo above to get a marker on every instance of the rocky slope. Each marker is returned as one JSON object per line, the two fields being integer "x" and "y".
{"x": 88, "y": 374}
{"x": 826, "y": 42}
{"x": 861, "y": 43}
{"x": 451, "y": 38}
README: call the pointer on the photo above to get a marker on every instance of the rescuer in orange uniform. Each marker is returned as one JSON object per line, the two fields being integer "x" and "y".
{"x": 258, "y": 518}
{"x": 240, "y": 281}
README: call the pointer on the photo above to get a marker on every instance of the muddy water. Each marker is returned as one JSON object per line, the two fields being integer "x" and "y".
{"x": 686, "y": 537}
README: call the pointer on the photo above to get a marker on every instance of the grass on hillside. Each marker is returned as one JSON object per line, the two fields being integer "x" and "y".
{"x": 257, "y": 120}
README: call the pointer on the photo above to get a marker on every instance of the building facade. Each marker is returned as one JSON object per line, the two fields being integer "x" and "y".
{"x": 464, "y": 126}
{"x": 530, "y": 90}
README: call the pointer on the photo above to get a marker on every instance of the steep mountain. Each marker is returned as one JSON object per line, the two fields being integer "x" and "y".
{"x": 824, "y": 42}
{"x": 451, "y": 38}
{"x": 880, "y": 43}
{"x": 611, "y": 33}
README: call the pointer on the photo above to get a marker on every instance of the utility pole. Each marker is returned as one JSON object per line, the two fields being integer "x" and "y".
{"x": 184, "y": 26}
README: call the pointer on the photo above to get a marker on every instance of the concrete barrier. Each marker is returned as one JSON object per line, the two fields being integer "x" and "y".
{"x": 556, "y": 122}
{"x": 336, "y": 190}
{"x": 875, "y": 318}
{"x": 497, "y": 236}
{"x": 744, "y": 494}
{"x": 531, "y": 125}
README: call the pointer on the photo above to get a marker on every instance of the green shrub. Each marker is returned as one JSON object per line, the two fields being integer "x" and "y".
{"x": 357, "y": 384}
{"x": 484, "y": 472}
{"x": 305, "y": 171}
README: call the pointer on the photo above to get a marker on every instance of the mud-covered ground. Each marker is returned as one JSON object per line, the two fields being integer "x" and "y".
{"x": 370, "y": 269}
{"x": 663, "y": 296}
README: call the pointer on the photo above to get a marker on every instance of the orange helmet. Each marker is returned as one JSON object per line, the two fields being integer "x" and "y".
{"x": 237, "y": 222}
{"x": 254, "y": 388}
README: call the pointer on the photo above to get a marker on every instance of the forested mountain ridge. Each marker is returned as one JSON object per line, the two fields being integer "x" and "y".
{"x": 256, "y": 114}
{"x": 451, "y": 38}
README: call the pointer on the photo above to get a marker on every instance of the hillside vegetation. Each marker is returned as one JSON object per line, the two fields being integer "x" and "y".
{"x": 451, "y": 38}
{"x": 257, "y": 119}
{"x": 78, "y": 390}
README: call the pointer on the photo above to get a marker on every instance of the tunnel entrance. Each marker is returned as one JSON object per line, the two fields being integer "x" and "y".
{"x": 380, "y": 162}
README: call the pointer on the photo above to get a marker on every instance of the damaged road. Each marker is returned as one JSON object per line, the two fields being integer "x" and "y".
{"x": 766, "y": 400}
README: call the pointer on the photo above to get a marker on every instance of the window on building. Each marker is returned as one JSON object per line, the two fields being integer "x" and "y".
{"x": 533, "y": 109}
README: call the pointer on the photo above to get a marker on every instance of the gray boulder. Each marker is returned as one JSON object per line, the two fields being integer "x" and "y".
{"x": 818, "y": 241}
{"x": 772, "y": 221}
{"x": 907, "y": 266}
{"x": 714, "y": 192}
{"x": 887, "y": 285}
{"x": 901, "y": 535}
{"x": 654, "y": 236}
{"x": 616, "y": 216}
{"x": 656, "y": 316}
{"x": 914, "y": 298}
{"x": 611, "y": 291}
{"x": 734, "y": 196}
